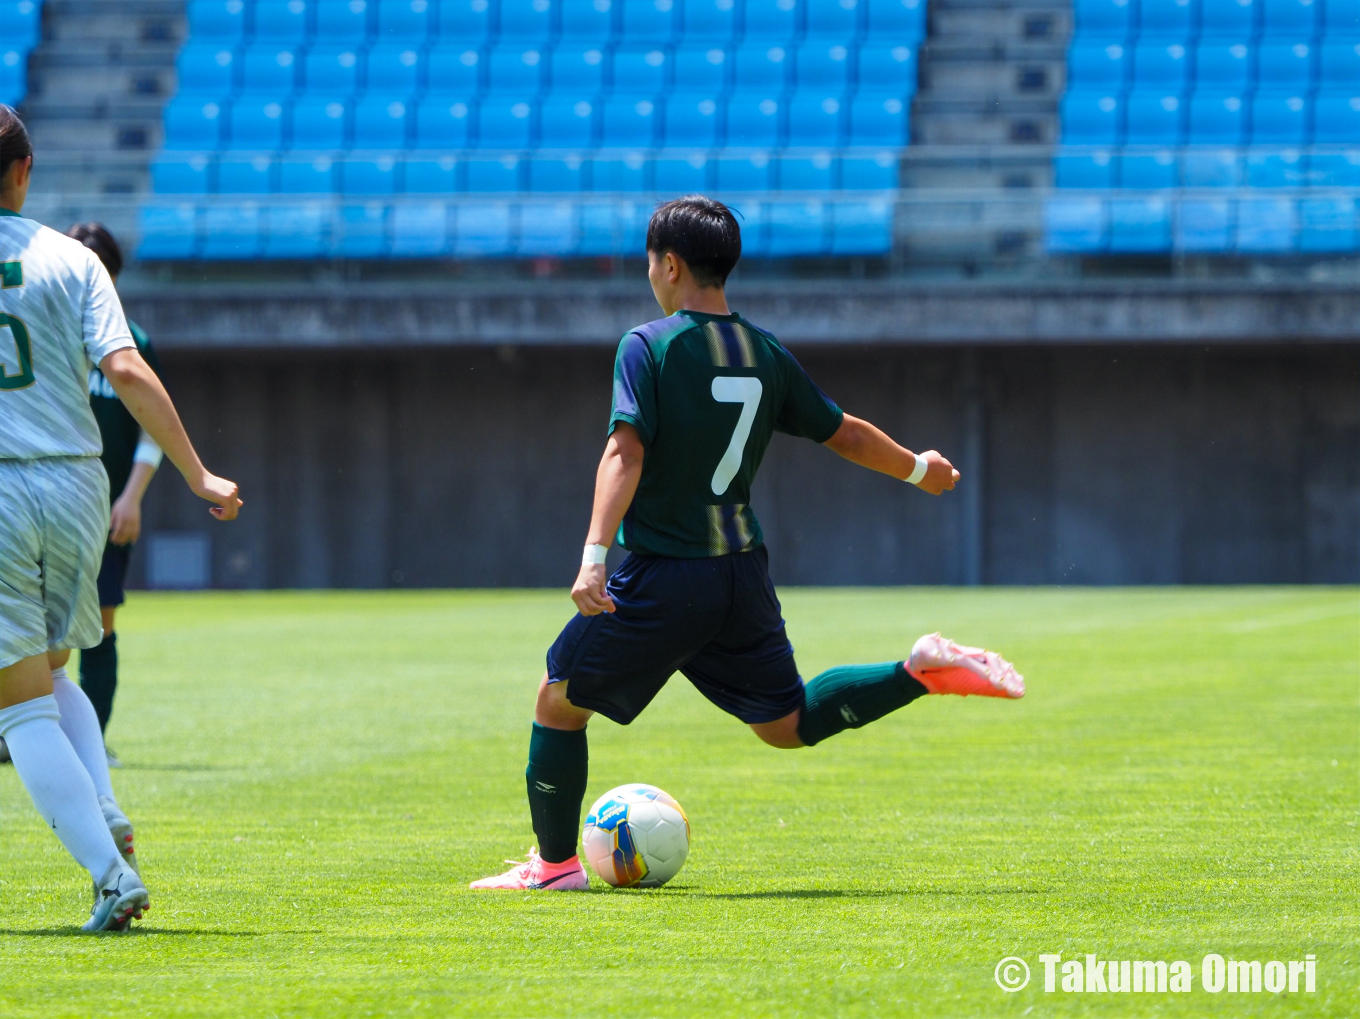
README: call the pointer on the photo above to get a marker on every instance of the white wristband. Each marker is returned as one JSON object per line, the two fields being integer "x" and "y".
{"x": 593, "y": 555}
{"x": 918, "y": 472}
{"x": 148, "y": 453}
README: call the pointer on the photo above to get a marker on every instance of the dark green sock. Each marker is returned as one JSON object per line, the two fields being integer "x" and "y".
{"x": 556, "y": 777}
{"x": 850, "y": 696}
{"x": 99, "y": 676}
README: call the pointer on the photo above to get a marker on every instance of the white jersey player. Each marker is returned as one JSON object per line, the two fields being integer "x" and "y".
{"x": 58, "y": 315}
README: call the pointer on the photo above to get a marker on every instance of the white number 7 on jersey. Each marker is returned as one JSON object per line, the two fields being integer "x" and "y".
{"x": 745, "y": 391}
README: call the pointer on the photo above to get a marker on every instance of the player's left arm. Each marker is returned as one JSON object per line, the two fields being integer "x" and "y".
{"x": 125, "y": 518}
{"x": 616, "y": 483}
{"x": 861, "y": 442}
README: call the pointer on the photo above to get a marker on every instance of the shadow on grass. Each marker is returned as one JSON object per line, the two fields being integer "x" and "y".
{"x": 864, "y": 893}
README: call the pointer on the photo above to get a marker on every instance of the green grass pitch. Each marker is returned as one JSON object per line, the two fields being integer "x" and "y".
{"x": 316, "y": 777}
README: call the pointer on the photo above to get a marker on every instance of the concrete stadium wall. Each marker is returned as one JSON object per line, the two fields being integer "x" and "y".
{"x": 1082, "y": 464}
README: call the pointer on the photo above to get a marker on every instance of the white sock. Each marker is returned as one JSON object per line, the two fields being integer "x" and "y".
{"x": 60, "y": 786}
{"x": 81, "y": 726}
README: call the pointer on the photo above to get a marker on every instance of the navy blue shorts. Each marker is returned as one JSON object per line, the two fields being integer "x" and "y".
{"x": 112, "y": 572}
{"x": 716, "y": 621}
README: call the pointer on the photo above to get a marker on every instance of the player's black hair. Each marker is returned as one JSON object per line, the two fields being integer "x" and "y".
{"x": 701, "y": 231}
{"x": 97, "y": 238}
{"x": 14, "y": 143}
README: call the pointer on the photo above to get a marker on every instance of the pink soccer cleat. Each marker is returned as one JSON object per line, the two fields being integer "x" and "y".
{"x": 537, "y": 874}
{"x": 942, "y": 666}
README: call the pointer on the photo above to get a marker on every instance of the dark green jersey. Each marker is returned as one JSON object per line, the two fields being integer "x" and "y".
{"x": 706, "y": 393}
{"x": 117, "y": 427}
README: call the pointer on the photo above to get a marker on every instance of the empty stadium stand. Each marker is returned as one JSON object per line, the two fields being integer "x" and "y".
{"x": 20, "y": 30}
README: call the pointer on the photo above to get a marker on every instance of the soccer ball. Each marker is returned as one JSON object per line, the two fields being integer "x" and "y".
{"x": 636, "y": 836}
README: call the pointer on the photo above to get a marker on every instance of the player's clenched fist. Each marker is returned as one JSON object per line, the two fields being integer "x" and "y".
{"x": 589, "y": 592}
{"x": 940, "y": 474}
{"x": 226, "y": 494}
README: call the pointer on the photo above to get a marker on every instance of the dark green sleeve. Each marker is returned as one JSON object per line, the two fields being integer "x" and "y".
{"x": 635, "y": 388}
{"x": 806, "y": 411}
{"x": 144, "y": 347}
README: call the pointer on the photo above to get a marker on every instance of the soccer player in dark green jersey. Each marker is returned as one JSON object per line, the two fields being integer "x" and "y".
{"x": 697, "y": 397}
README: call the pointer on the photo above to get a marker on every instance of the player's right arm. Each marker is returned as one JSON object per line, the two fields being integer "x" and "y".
{"x": 146, "y": 399}
{"x": 861, "y": 442}
{"x": 616, "y": 483}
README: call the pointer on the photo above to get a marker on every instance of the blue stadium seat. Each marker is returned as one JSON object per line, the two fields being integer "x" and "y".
{"x": 1092, "y": 117}
{"x": 861, "y": 228}
{"x": 181, "y": 175}
{"x": 628, "y": 122}
{"x": 1173, "y": 20}
{"x": 1074, "y": 225}
{"x": 760, "y": 67}
{"x": 190, "y": 123}
{"x": 770, "y": 22}
{"x": 1098, "y": 65}
{"x": 690, "y": 123}
{"x": 1084, "y": 169}
{"x": 22, "y": 23}
{"x": 1223, "y": 66}
{"x": 639, "y": 70}
{"x": 462, "y": 23}
{"x": 1282, "y": 168}
{"x": 453, "y": 70}
{"x": 392, "y": 69}
{"x": 525, "y": 21}
{"x": 1278, "y": 118}
{"x": 268, "y": 69}
{"x": 231, "y": 232}
{"x": 1290, "y": 19}
{"x": 567, "y": 123}
{"x": 207, "y": 70}
{"x": 504, "y": 123}
{"x": 342, "y": 22}
{"x": 1210, "y": 168}
{"x": 816, "y": 119}
{"x": 1336, "y": 118}
{"x": 256, "y": 124}
{"x": 1144, "y": 171}
{"x": 1341, "y": 18}
{"x": 1217, "y": 118}
{"x": 709, "y": 21}
{"x": 217, "y": 21}
{"x": 599, "y": 228}
{"x": 1265, "y": 225}
{"x": 13, "y": 75}
{"x": 743, "y": 173}
{"x": 1158, "y": 64}
{"x": 1229, "y": 19}
{"x": 515, "y": 70}
{"x": 680, "y": 174}
{"x": 420, "y": 230}
{"x": 796, "y": 228}
{"x": 896, "y": 20}
{"x": 700, "y": 70}
{"x": 363, "y": 231}
{"x": 751, "y": 215}
{"x": 431, "y": 176}
{"x": 577, "y": 69}
{"x": 1326, "y": 224}
{"x": 887, "y": 69}
{"x": 1339, "y": 64}
{"x": 878, "y": 120}
{"x": 1139, "y": 224}
{"x": 280, "y": 22}
{"x": 557, "y": 173}
{"x": 1284, "y": 66}
{"x": 245, "y": 175}
{"x": 330, "y": 71}
{"x": 380, "y": 122}
{"x": 619, "y": 173}
{"x": 1204, "y": 225}
{"x": 1335, "y": 169}
{"x": 296, "y": 230}
{"x": 405, "y": 21}
{"x": 821, "y": 67}
{"x": 868, "y": 173}
{"x": 483, "y": 230}
{"x": 649, "y": 22}
{"x": 319, "y": 124}
{"x": 167, "y": 231}
{"x": 442, "y": 122}
{"x": 1103, "y": 19}
{"x": 588, "y": 24}
{"x": 548, "y": 229}
{"x": 314, "y": 176}
{"x": 837, "y": 20}
{"x": 753, "y": 121}
{"x": 816, "y": 172}
{"x": 368, "y": 176}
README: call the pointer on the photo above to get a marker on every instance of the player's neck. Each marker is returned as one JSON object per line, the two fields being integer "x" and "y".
{"x": 705, "y": 300}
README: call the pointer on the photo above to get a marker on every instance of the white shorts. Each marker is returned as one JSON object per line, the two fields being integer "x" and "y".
{"x": 54, "y": 521}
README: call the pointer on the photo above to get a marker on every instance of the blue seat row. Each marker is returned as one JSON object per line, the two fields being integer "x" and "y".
{"x": 20, "y": 24}
{"x": 213, "y": 71}
{"x": 1144, "y": 169}
{"x": 433, "y": 229}
{"x": 537, "y": 21}
{"x": 13, "y": 75}
{"x": 450, "y": 122}
{"x": 1153, "y": 117}
{"x": 1116, "y": 20}
{"x": 573, "y": 172}
{"x": 1214, "y": 64}
{"x": 1245, "y": 225}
